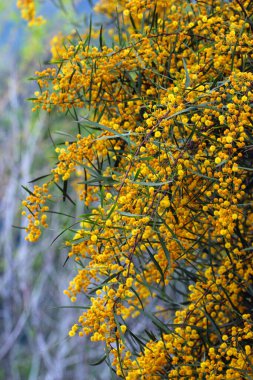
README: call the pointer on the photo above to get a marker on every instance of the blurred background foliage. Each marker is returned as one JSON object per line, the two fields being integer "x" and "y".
{"x": 34, "y": 323}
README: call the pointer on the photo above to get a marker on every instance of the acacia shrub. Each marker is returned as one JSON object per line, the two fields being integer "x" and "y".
{"x": 160, "y": 162}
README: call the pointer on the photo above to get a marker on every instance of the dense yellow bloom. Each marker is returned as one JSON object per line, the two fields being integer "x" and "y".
{"x": 161, "y": 165}
{"x": 28, "y": 12}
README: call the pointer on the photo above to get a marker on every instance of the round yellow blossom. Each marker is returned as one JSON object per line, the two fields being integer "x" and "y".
{"x": 123, "y": 329}
{"x": 94, "y": 238}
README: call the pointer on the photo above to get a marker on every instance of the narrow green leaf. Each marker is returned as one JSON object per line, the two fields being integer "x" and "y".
{"x": 166, "y": 251}
{"x": 94, "y": 125}
{"x": 28, "y": 191}
{"x": 153, "y": 184}
{"x": 62, "y": 232}
{"x": 101, "y": 38}
{"x": 99, "y": 361}
{"x": 65, "y": 195}
{"x": 108, "y": 279}
{"x": 156, "y": 263}
{"x": 187, "y": 76}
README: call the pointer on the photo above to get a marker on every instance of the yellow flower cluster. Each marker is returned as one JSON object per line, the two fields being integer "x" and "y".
{"x": 28, "y": 12}
{"x": 35, "y": 205}
{"x": 161, "y": 164}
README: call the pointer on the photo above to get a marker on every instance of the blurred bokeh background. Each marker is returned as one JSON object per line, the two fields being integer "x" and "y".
{"x": 35, "y": 316}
